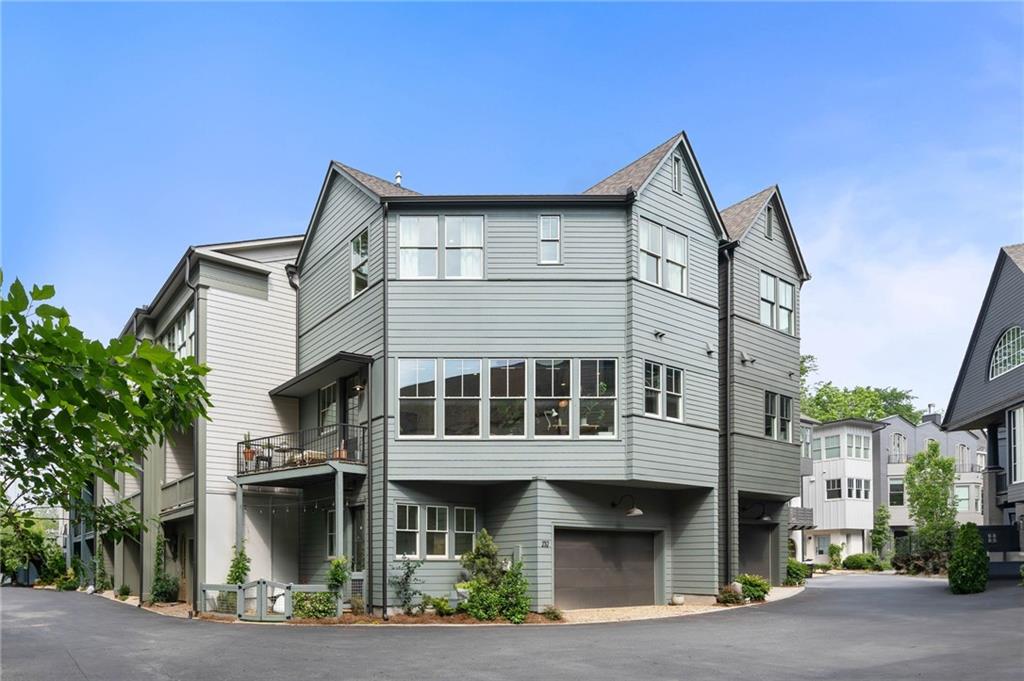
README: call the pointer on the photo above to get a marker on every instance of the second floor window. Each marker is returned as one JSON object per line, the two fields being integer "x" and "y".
{"x": 462, "y": 397}
{"x": 834, "y": 489}
{"x": 597, "y": 397}
{"x": 805, "y": 441}
{"x": 771, "y": 416}
{"x": 858, "y": 488}
{"x": 785, "y": 418}
{"x": 463, "y": 247}
{"x": 767, "y": 299}
{"x": 552, "y": 397}
{"x": 508, "y": 398}
{"x": 652, "y": 389}
{"x": 895, "y": 491}
{"x": 550, "y": 240}
{"x": 358, "y": 257}
{"x": 816, "y": 449}
{"x": 1015, "y": 443}
{"x": 327, "y": 412}
{"x": 963, "y": 498}
{"x": 650, "y": 251}
{"x": 787, "y": 293}
{"x": 179, "y": 337}
{"x": 832, "y": 448}
{"x": 416, "y": 396}
{"x": 778, "y": 303}
{"x": 899, "y": 445}
{"x": 778, "y": 417}
{"x": 417, "y": 246}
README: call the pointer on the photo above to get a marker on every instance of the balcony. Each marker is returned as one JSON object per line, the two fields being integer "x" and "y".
{"x": 345, "y": 443}
{"x": 898, "y": 458}
{"x": 969, "y": 468}
{"x": 801, "y": 518}
{"x": 177, "y": 494}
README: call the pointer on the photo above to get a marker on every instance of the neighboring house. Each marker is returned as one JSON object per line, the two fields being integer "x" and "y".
{"x": 840, "y": 489}
{"x": 542, "y": 366}
{"x": 231, "y": 307}
{"x": 761, "y": 273}
{"x": 989, "y": 395}
{"x": 801, "y": 517}
{"x": 900, "y": 440}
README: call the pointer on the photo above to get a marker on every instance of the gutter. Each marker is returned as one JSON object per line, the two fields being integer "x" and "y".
{"x": 512, "y": 199}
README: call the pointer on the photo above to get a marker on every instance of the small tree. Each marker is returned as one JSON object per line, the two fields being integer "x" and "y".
{"x": 929, "y": 483}
{"x": 238, "y": 571}
{"x": 968, "y": 564}
{"x": 835, "y": 555}
{"x": 404, "y": 584}
{"x": 483, "y": 562}
{"x": 880, "y": 533}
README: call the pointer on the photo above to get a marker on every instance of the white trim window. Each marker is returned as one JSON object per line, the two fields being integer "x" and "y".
{"x": 327, "y": 406}
{"x": 896, "y": 492}
{"x": 416, "y": 392}
{"x": 858, "y": 488}
{"x": 552, "y": 397}
{"x": 816, "y": 449}
{"x": 673, "y": 393}
{"x": 785, "y": 418}
{"x": 676, "y": 271}
{"x": 407, "y": 531}
{"x": 507, "y": 405}
{"x": 962, "y": 494}
{"x": 330, "y": 534}
{"x": 767, "y": 299}
{"x": 834, "y": 488}
{"x": 778, "y": 304}
{"x": 652, "y": 389}
{"x": 359, "y": 249}
{"x": 462, "y": 398}
{"x": 787, "y": 296}
{"x": 650, "y": 251}
{"x": 598, "y": 398}
{"x": 832, "y": 449}
{"x": 417, "y": 247}
{"x": 899, "y": 446}
{"x": 180, "y": 335}
{"x": 963, "y": 457}
{"x": 463, "y": 247}
{"x": 769, "y": 222}
{"x": 1008, "y": 353}
{"x": 1015, "y": 443}
{"x": 437, "y": 532}
{"x": 465, "y": 530}
{"x": 550, "y": 248}
{"x": 677, "y": 174}
{"x": 771, "y": 414}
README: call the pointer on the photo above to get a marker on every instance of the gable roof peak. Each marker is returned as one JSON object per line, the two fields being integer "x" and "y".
{"x": 741, "y": 215}
{"x": 636, "y": 173}
{"x": 376, "y": 185}
{"x": 1016, "y": 253}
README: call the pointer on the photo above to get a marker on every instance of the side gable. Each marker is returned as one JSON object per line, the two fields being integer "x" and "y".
{"x": 975, "y": 398}
{"x": 746, "y": 223}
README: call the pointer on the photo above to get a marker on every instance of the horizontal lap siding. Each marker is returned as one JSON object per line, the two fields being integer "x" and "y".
{"x": 663, "y": 451}
{"x": 768, "y": 466}
{"x": 511, "y": 511}
{"x": 694, "y": 542}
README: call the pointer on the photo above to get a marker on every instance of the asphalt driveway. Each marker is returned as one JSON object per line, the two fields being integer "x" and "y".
{"x": 841, "y": 627}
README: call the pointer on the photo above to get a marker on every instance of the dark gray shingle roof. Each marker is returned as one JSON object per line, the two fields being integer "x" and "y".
{"x": 636, "y": 173}
{"x": 378, "y": 186}
{"x": 1016, "y": 254}
{"x": 740, "y": 216}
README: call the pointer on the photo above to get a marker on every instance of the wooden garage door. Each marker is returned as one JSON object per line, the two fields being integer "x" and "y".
{"x": 603, "y": 569}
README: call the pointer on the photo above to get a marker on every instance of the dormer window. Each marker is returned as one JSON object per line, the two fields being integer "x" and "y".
{"x": 1008, "y": 353}
{"x": 769, "y": 223}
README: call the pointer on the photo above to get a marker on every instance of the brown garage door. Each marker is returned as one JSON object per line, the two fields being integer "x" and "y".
{"x": 756, "y": 550}
{"x": 596, "y": 569}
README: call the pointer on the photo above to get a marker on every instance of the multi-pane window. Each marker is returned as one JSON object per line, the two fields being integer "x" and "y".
{"x": 462, "y": 397}
{"x": 674, "y": 393}
{"x": 416, "y": 390}
{"x": 330, "y": 533}
{"x": 769, "y": 223}
{"x": 650, "y": 251}
{"x": 1008, "y": 353}
{"x": 963, "y": 497}
{"x": 805, "y": 441}
{"x": 787, "y": 292}
{"x": 858, "y": 488}
{"x": 832, "y": 447}
{"x": 327, "y": 405}
{"x": 463, "y": 247}
{"x": 179, "y": 337}
{"x": 407, "y": 531}
{"x": 465, "y": 529}
{"x": 417, "y": 246}
{"x": 652, "y": 389}
{"x": 597, "y": 397}
{"x": 771, "y": 415}
{"x": 675, "y": 262}
{"x": 767, "y": 299}
{"x": 550, "y": 239}
{"x": 895, "y": 491}
{"x": 508, "y": 398}
{"x": 785, "y": 418}
{"x": 778, "y": 417}
{"x": 1015, "y": 443}
{"x": 677, "y": 174}
{"x": 834, "y": 489}
{"x": 899, "y": 446}
{"x": 437, "y": 532}
{"x": 816, "y": 449}
{"x": 858, "y": 446}
{"x": 778, "y": 302}
{"x": 359, "y": 249}
{"x": 552, "y": 404}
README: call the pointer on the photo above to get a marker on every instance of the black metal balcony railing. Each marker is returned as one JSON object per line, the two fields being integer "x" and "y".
{"x": 342, "y": 442}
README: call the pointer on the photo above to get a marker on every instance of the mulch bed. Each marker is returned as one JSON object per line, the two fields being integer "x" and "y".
{"x": 426, "y": 618}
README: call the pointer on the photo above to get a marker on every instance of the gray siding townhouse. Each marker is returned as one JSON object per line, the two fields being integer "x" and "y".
{"x": 760, "y": 275}
{"x": 231, "y": 307}
{"x": 989, "y": 394}
{"x": 542, "y": 366}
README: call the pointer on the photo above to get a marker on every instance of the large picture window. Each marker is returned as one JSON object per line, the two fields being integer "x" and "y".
{"x": 1008, "y": 353}
{"x": 416, "y": 391}
{"x": 407, "y": 531}
{"x": 650, "y": 251}
{"x": 508, "y": 398}
{"x": 652, "y": 389}
{"x": 552, "y": 397}
{"x": 462, "y": 397}
{"x": 597, "y": 397}
{"x": 463, "y": 247}
{"x": 358, "y": 258}
{"x": 417, "y": 246}
{"x": 437, "y": 531}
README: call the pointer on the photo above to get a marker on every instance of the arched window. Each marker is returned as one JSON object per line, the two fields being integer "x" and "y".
{"x": 899, "y": 447}
{"x": 1008, "y": 353}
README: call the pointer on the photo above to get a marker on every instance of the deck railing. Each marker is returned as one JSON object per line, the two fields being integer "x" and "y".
{"x": 265, "y": 600}
{"x": 177, "y": 492}
{"x": 341, "y": 442}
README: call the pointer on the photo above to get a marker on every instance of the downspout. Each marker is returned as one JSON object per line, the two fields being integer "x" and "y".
{"x": 384, "y": 426}
{"x": 194, "y": 606}
{"x": 727, "y": 370}
{"x": 142, "y": 496}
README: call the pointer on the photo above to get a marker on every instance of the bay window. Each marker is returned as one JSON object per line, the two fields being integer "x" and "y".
{"x": 508, "y": 398}
{"x": 597, "y": 397}
{"x": 832, "y": 447}
{"x": 416, "y": 391}
{"x": 834, "y": 489}
{"x": 652, "y": 389}
{"x": 552, "y": 397}
{"x": 963, "y": 498}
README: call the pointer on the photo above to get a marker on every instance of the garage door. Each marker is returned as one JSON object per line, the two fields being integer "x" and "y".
{"x": 756, "y": 550}
{"x": 603, "y": 569}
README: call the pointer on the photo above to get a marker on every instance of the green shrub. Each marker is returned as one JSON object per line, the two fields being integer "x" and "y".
{"x": 68, "y": 581}
{"x": 337, "y": 574}
{"x": 124, "y": 591}
{"x": 796, "y": 573}
{"x": 314, "y": 606}
{"x": 820, "y": 567}
{"x": 441, "y": 606}
{"x": 755, "y": 587}
{"x": 968, "y": 563}
{"x": 835, "y": 555}
{"x": 238, "y": 571}
{"x": 553, "y": 614}
{"x": 165, "y": 587}
{"x": 357, "y": 605}
{"x": 1022, "y": 575}
{"x": 482, "y": 562}
{"x": 861, "y": 561}
{"x": 885, "y": 564}
{"x": 403, "y": 583}
{"x": 515, "y": 601}
{"x": 728, "y": 595}
{"x": 484, "y": 602}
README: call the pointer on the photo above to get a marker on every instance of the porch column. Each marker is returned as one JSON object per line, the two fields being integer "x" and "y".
{"x": 239, "y": 517}
{"x": 339, "y": 513}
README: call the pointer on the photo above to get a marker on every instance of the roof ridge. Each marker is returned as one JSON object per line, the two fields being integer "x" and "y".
{"x": 377, "y": 185}
{"x": 741, "y": 215}
{"x": 634, "y": 174}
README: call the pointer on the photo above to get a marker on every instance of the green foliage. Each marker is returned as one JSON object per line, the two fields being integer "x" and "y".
{"x": 728, "y": 595}
{"x": 796, "y": 573}
{"x": 880, "y": 532}
{"x": 808, "y": 366}
{"x": 553, "y": 614}
{"x": 755, "y": 587}
{"x": 835, "y": 555}
{"x": 968, "y": 564}
{"x": 313, "y": 606}
{"x": 357, "y": 605}
{"x": 791, "y": 547}
{"x": 483, "y": 561}
{"x": 68, "y": 581}
{"x": 930, "y": 501}
{"x": 484, "y": 602}
{"x": 27, "y": 542}
{"x": 828, "y": 402}
{"x": 404, "y": 584}
{"x": 165, "y": 587}
{"x": 77, "y": 410}
{"x": 862, "y": 561}
{"x": 104, "y": 582}
{"x": 442, "y": 606}
{"x": 238, "y": 570}
{"x": 512, "y": 592}
{"x": 124, "y": 591}
{"x": 337, "y": 574}
{"x": 1022, "y": 575}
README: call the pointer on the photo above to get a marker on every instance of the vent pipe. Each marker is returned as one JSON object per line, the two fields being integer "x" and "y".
{"x": 398, "y": 177}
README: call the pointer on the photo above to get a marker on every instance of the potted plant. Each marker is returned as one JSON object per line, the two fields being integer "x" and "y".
{"x": 248, "y": 452}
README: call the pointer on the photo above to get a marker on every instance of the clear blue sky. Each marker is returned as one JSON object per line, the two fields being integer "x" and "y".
{"x": 895, "y": 132}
